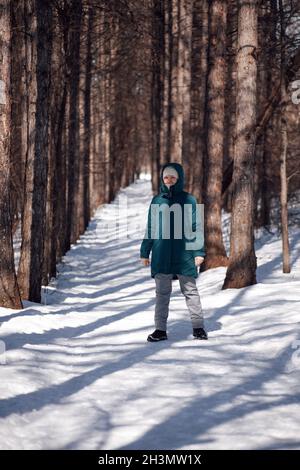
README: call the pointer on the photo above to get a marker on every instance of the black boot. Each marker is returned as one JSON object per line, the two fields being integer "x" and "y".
{"x": 199, "y": 333}
{"x": 157, "y": 335}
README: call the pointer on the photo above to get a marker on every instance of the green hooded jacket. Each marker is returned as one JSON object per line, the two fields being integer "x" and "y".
{"x": 172, "y": 254}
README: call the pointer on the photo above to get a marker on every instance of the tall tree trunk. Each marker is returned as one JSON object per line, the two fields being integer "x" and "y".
{"x": 166, "y": 82}
{"x": 9, "y": 292}
{"x": 184, "y": 65}
{"x": 284, "y": 148}
{"x": 215, "y": 250}
{"x": 59, "y": 126}
{"x": 198, "y": 96}
{"x": 25, "y": 263}
{"x": 58, "y": 117}
{"x": 241, "y": 271}
{"x": 18, "y": 111}
{"x": 181, "y": 78}
{"x": 113, "y": 113}
{"x": 157, "y": 90}
{"x": 87, "y": 119}
{"x": 262, "y": 93}
{"x": 269, "y": 28}
{"x": 175, "y": 126}
{"x": 73, "y": 138}
{"x": 79, "y": 195}
{"x": 284, "y": 198}
{"x": 55, "y": 188}
{"x": 230, "y": 97}
{"x": 39, "y": 15}
{"x": 98, "y": 186}
{"x": 107, "y": 86}
{"x": 49, "y": 219}
{"x": 60, "y": 183}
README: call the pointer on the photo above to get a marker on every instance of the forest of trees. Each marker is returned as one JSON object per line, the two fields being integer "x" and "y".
{"x": 93, "y": 92}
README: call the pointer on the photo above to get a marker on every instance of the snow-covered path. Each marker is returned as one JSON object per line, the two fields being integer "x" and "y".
{"x": 79, "y": 374}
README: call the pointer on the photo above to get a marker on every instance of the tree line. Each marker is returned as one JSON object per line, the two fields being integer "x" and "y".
{"x": 222, "y": 105}
{"x": 93, "y": 92}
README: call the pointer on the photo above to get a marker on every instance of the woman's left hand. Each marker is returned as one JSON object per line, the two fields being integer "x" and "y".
{"x": 198, "y": 260}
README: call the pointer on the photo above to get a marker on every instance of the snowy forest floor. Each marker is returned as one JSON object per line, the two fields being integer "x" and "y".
{"x": 78, "y": 373}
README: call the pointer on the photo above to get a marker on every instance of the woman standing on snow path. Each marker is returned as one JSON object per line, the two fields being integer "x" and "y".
{"x": 174, "y": 256}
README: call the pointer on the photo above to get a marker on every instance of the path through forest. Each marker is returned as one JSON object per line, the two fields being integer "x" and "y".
{"x": 79, "y": 374}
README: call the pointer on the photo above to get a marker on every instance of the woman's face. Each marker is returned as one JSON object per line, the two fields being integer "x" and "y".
{"x": 170, "y": 180}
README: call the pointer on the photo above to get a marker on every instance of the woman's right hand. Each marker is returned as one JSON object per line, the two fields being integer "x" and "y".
{"x": 145, "y": 261}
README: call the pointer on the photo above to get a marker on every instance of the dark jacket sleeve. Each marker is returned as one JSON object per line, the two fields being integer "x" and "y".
{"x": 198, "y": 228}
{"x": 147, "y": 242}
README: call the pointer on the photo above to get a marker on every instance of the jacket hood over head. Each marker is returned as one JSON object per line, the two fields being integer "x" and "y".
{"x": 179, "y": 185}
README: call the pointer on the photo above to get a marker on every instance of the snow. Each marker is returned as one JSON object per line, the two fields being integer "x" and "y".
{"x": 78, "y": 373}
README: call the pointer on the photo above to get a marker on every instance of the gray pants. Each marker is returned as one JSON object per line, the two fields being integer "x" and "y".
{"x": 163, "y": 292}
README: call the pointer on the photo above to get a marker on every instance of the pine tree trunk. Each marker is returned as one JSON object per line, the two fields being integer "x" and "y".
{"x": 106, "y": 121}
{"x": 241, "y": 271}
{"x": 18, "y": 131}
{"x": 198, "y": 96}
{"x": 80, "y": 218}
{"x": 55, "y": 189}
{"x": 165, "y": 80}
{"x": 87, "y": 119}
{"x": 49, "y": 216}
{"x": 230, "y": 99}
{"x": 284, "y": 199}
{"x": 58, "y": 117}
{"x": 185, "y": 58}
{"x": 268, "y": 33}
{"x": 262, "y": 92}
{"x": 38, "y": 50}
{"x": 284, "y": 148}
{"x": 176, "y": 135}
{"x": 9, "y": 292}
{"x": 73, "y": 140}
{"x": 100, "y": 146}
{"x": 60, "y": 201}
{"x": 157, "y": 91}
{"x": 215, "y": 250}
{"x": 180, "y": 78}
{"x": 24, "y": 271}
